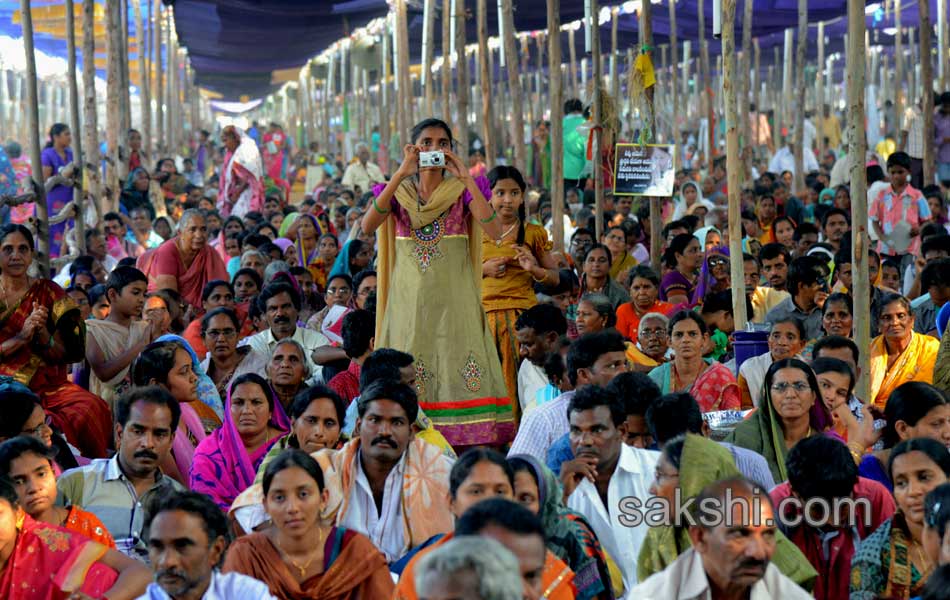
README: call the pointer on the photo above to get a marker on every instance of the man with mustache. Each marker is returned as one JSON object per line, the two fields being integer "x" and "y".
{"x": 386, "y": 483}
{"x": 119, "y": 490}
{"x": 280, "y": 305}
{"x": 732, "y": 550}
{"x": 187, "y": 539}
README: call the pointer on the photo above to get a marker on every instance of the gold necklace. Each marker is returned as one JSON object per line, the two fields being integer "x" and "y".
{"x": 505, "y": 234}
{"x": 302, "y": 568}
{"x": 926, "y": 566}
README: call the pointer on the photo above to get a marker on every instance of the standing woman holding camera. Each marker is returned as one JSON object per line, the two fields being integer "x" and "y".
{"x": 429, "y": 288}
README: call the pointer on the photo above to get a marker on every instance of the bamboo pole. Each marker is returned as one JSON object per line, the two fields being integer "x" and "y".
{"x": 485, "y": 77}
{"x": 557, "y": 125}
{"x": 732, "y": 155}
{"x": 33, "y": 117}
{"x": 572, "y": 53}
{"x": 614, "y": 79}
{"x": 799, "y": 180}
{"x": 678, "y": 116}
{"x": 113, "y": 100}
{"x": 159, "y": 80}
{"x": 595, "y": 131}
{"x": 943, "y": 50}
{"x": 756, "y": 90}
{"x": 859, "y": 207}
{"x": 401, "y": 73}
{"x": 898, "y": 72}
{"x": 172, "y": 87}
{"x": 704, "y": 71}
{"x": 74, "y": 121}
{"x": 428, "y": 51}
{"x": 539, "y": 69}
{"x": 90, "y": 116}
{"x": 744, "y": 89}
{"x": 446, "y": 61}
{"x": 124, "y": 58}
{"x": 527, "y": 78}
{"x": 820, "y": 86}
{"x": 461, "y": 71}
{"x": 927, "y": 89}
{"x": 646, "y": 42}
{"x": 384, "y": 105}
{"x": 514, "y": 86}
{"x": 144, "y": 97}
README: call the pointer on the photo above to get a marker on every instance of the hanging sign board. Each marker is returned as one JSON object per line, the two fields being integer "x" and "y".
{"x": 643, "y": 170}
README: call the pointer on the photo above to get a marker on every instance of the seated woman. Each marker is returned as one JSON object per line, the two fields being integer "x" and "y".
{"x": 913, "y": 410}
{"x": 837, "y": 315}
{"x": 286, "y": 371}
{"x": 786, "y": 339}
{"x": 355, "y": 256}
{"x": 791, "y": 410}
{"x": 226, "y": 461}
{"x": 899, "y": 354}
{"x": 714, "y": 275}
{"x": 783, "y": 232}
{"x": 568, "y": 534}
{"x": 688, "y": 464}
{"x": 712, "y": 384}
{"x": 481, "y": 473}
{"x": 316, "y": 423}
{"x": 42, "y": 561}
{"x": 595, "y": 312}
{"x": 168, "y": 362}
{"x": 23, "y": 414}
{"x": 226, "y": 361}
{"x": 886, "y": 564}
{"x": 41, "y": 334}
{"x": 683, "y": 257}
{"x": 653, "y": 343}
{"x": 644, "y": 286}
{"x": 186, "y": 262}
{"x": 596, "y": 276}
{"x": 28, "y": 463}
{"x": 339, "y": 292}
{"x": 247, "y": 284}
{"x": 315, "y": 560}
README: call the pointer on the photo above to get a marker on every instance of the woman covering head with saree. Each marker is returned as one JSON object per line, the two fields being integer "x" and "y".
{"x": 241, "y": 187}
{"x": 226, "y": 461}
{"x": 714, "y": 275}
{"x": 689, "y": 463}
{"x": 891, "y": 562}
{"x": 355, "y": 256}
{"x": 41, "y": 333}
{"x": 141, "y": 191}
{"x": 567, "y": 533}
{"x": 429, "y": 219}
{"x": 791, "y": 410}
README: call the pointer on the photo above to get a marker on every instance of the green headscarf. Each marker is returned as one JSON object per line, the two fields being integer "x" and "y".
{"x": 702, "y": 463}
{"x": 286, "y": 223}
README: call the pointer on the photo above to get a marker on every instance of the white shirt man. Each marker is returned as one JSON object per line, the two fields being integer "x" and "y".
{"x": 631, "y": 479}
{"x": 784, "y": 160}
{"x": 362, "y": 173}
{"x": 262, "y": 345}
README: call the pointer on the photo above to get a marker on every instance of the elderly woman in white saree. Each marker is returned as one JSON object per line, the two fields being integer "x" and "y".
{"x": 241, "y": 189}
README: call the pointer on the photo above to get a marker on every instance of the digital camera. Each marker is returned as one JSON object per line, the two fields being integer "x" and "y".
{"x": 431, "y": 159}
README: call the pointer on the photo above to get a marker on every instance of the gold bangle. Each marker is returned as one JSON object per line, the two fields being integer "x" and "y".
{"x": 543, "y": 279}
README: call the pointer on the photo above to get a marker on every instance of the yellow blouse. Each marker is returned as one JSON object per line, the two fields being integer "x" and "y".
{"x": 515, "y": 289}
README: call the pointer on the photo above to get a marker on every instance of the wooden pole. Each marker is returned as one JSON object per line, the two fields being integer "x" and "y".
{"x": 898, "y": 72}
{"x": 144, "y": 96}
{"x": 927, "y": 89}
{"x": 732, "y": 154}
{"x": 859, "y": 206}
{"x": 113, "y": 100}
{"x": 943, "y": 50}
{"x": 428, "y": 13}
{"x": 385, "y": 103}
{"x": 159, "y": 81}
{"x": 744, "y": 85}
{"x": 514, "y": 86}
{"x": 124, "y": 57}
{"x": 557, "y": 125}
{"x": 678, "y": 117}
{"x": 446, "y": 61}
{"x": 614, "y": 79}
{"x": 538, "y": 71}
{"x": 756, "y": 89}
{"x": 485, "y": 76}
{"x": 461, "y": 70}
{"x": 172, "y": 87}
{"x": 820, "y": 86}
{"x": 597, "y": 82}
{"x": 704, "y": 71}
{"x": 33, "y": 118}
{"x": 572, "y": 53}
{"x": 799, "y": 180}
{"x": 90, "y": 115}
{"x": 402, "y": 72}
{"x": 74, "y": 122}
{"x": 526, "y": 78}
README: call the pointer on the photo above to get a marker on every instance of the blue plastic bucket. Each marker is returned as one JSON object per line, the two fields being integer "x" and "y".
{"x": 749, "y": 344}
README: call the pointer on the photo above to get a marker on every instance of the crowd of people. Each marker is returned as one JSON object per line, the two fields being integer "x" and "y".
{"x": 279, "y": 374}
